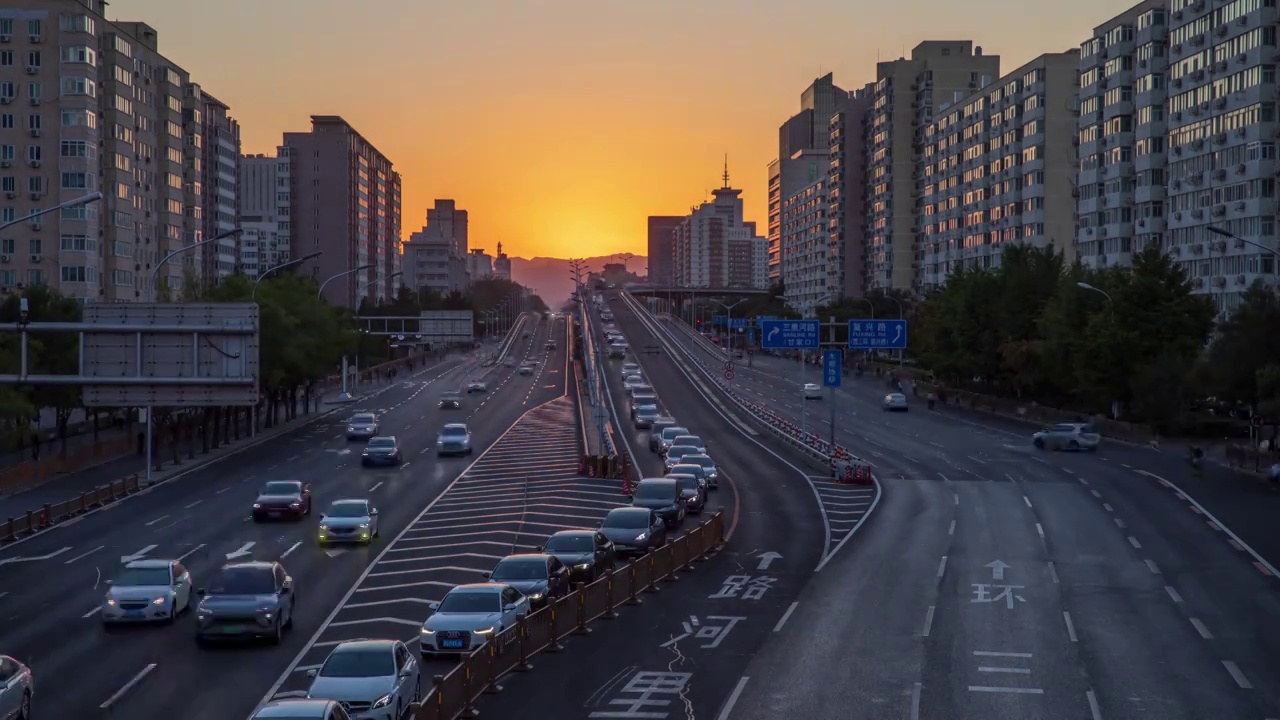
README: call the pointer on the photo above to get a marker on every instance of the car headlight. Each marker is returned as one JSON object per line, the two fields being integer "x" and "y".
{"x": 439, "y": 441}
{"x": 381, "y": 702}
{"x": 365, "y": 453}
{"x": 428, "y": 631}
{"x": 296, "y": 505}
{"x": 257, "y": 506}
{"x": 642, "y": 537}
{"x": 364, "y": 526}
{"x": 203, "y": 612}
{"x": 160, "y": 601}
{"x": 111, "y": 602}
{"x": 582, "y": 566}
{"x": 485, "y": 631}
{"x": 350, "y": 429}
{"x": 324, "y": 528}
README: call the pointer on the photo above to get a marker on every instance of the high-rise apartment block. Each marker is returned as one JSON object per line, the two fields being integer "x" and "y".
{"x": 905, "y": 95}
{"x": 998, "y": 169}
{"x": 265, "y": 214}
{"x": 846, "y": 192}
{"x": 221, "y": 188}
{"x": 714, "y": 247}
{"x": 345, "y": 202}
{"x": 661, "y": 249}
{"x": 805, "y": 235}
{"x": 436, "y": 256}
{"x": 501, "y": 265}
{"x": 479, "y": 265}
{"x": 1222, "y": 143}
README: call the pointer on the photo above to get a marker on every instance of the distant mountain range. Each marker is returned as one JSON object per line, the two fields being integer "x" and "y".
{"x": 552, "y": 278}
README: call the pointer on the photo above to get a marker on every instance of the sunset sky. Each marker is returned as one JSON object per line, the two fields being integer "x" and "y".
{"x": 561, "y": 124}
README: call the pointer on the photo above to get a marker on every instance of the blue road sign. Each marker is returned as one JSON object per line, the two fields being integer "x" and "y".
{"x": 877, "y": 334}
{"x": 831, "y": 371}
{"x": 717, "y": 320}
{"x": 789, "y": 334}
{"x": 737, "y": 323}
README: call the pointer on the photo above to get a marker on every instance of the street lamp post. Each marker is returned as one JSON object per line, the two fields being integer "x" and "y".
{"x": 1228, "y": 234}
{"x": 155, "y": 274}
{"x": 375, "y": 281}
{"x": 263, "y": 275}
{"x": 728, "y": 322}
{"x": 344, "y": 273}
{"x": 898, "y": 302}
{"x": 1100, "y": 291}
{"x": 82, "y": 200}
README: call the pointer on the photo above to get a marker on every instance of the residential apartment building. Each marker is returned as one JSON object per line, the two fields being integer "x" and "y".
{"x": 1122, "y": 136}
{"x": 999, "y": 169}
{"x": 661, "y": 249}
{"x": 846, "y": 194}
{"x": 479, "y": 265}
{"x": 345, "y": 202}
{"x": 221, "y": 188}
{"x": 808, "y": 129}
{"x": 906, "y": 92}
{"x": 436, "y": 256}
{"x": 1222, "y": 144}
{"x": 264, "y": 196}
{"x": 805, "y": 235}
{"x": 501, "y": 265}
{"x": 714, "y": 247}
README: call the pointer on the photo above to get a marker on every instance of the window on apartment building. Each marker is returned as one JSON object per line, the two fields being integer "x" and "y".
{"x": 35, "y": 277}
{"x": 6, "y": 58}
{"x": 6, "y": 121}
{"x": 79, "y": 118}
{"x": 35, "y": 153}
{"x": 77, "y": 23}
{"x": 35, "y": 122}
{"x": 75, "y": 181}
{"x": 122, "y": 104}
{"x": 8, "y": 246}
{"x": 8, "y": 278}
{"x": 35, "y": 184}
{"x": 78, "y": 274}
{"x": 73, "y": 242}
{"x": 8, "y": 90}
{"x": 79, "y": 86}
{"x": 120, "y": 45}
{"x": 120, "y": 248}
{"x": 79, "y": 55}
{"x": 8, "y": 152}
{"x": 33, "y": 58}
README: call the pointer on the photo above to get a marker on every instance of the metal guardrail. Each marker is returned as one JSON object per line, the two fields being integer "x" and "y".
{"x": 455, "y": 693}
{"x": 840, "y": 461}
{"x": 593, "y": 367}
{"x": 51, "y": 514}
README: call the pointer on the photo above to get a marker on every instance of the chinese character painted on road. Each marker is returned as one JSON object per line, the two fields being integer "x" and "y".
{"x": 745, "y": 587}
{"x": 715, "y": 630}
{"x": 644, "y": 686}
{"x": 982, "y": 593}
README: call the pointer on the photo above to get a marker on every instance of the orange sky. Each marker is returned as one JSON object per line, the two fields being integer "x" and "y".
{"x": 561, "y": 124}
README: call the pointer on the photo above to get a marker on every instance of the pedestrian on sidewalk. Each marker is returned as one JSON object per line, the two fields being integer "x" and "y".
{"x": 1275, "y": 473}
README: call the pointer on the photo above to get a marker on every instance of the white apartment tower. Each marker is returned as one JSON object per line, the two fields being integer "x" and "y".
{"x": 264, "y": 212}
{"x": 1122, "y": 137}
{"x": 716, "y": 248}
{"x": 999, "y": 169}
{"x": 1222, "y": 144}
{"x": 804, "y": 238}
{"x": 436, "y": 256}
{"x": 903, "y": 100}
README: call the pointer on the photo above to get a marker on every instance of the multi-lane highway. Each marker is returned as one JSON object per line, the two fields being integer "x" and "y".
{"x": 680, "y": 654}
{"x": 999, "y": 581}
{"x": 52, "y": 584}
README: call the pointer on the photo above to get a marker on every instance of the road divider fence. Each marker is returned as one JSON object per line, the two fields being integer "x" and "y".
{"x": 480, "y": 671}
{"x": 838, "y": 460}
{"x": 32, "y": 521}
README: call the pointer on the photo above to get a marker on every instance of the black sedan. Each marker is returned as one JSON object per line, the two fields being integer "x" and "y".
{"x": 538, "y": 576}
{"x": 634, "y": 530}
{"x": 587, "y": 553}
{"x": 382, "y": 451}
{"x": 281, "y": 499}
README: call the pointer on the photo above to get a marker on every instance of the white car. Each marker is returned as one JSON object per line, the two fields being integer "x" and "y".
{"x": 146, "y": 591}
{"x": 1068, "y": 436}
{"x": 454, "y": 439}
{"x": 16, "y": 689}
{"x": 349, "y": 520}
{"x": 477, "y": 387}
{"x": 526, "y": 369}
{"x": 895, "y": 401}
{"x": 629, "y": 369}
{"x": 373, "y": 679}
{"x": 469, "y": 615}
{"x": 812, "y": 391}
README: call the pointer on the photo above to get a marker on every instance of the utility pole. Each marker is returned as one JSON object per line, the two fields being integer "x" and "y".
{"x": 831, "y": 390}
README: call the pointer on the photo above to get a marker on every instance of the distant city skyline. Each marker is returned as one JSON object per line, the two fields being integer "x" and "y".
{"x": 595, "y": 147}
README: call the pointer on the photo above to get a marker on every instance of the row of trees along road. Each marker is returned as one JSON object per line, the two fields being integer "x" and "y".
{"x": 1034, "y": 329}
{"x": 302, "y": 340}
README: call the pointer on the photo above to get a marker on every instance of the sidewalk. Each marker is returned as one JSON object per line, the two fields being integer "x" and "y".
{"x": 124, "y": 454}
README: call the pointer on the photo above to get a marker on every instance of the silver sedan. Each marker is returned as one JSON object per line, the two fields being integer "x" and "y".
{"x": 1067, "y": 436}
{"x": 16, "y": 689}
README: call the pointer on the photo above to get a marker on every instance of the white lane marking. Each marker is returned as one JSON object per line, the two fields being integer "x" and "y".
{"x": 222, "y": 491}
{"x": 1094, "y": 710}
{"x": 377, "y": 485}
{"x": 993, "y": 653}
{"x": 1200, "y": 628}
{"x": 1010, "y": 690}
{"x": 1107, "y": 507}
{"x": 1120, "y": 523}
{"x": 952, "y": 530}
{"x": 190, "y": 552}
{"x": 92, "y": 612}
{"x": 1151, "y": 565}
{"x": 942, "y": 566}
{"x": 956, "y": 498}
{"x": 188, "y": 507}
{"x": 783, "y": 621}
{"x": 1026, "y": 500}
{"x": 83, "y": 555}
{"x": 153, "y": 522}
{"x": 1008, "y": 670}
{"x": 1053, "y": 572}
{"x": 915, "y": 701}
{"x": 1260, "y": 561}
{"x": 1236, "y": 675}
{"x": 1173, "y": 594}
{"x": 1134, "y": 542}
{"x": 295, "y": 546}
{"x": 128, "y": 686}
{"x": 928, "y": 622}
{"x": 1096, "y": 494}
{"x": 1040, "y": 530}
{"x": 727, "y": 712}
{"x": 1071, "y": 627}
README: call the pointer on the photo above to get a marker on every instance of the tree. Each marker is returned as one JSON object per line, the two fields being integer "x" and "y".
{"x": 1246, "y": 344}
{"x": 50, "y": 353}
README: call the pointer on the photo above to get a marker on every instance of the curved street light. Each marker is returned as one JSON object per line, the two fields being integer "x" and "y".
{"x": 82, "y": 200}
{"x": 155, "y": 274}
{"x": 344, "y": 273}
{"x": 1228, "y": 234}
{"x": 377, "y": 280}
{"x": 263, "y": 275}
{"x": 1100, "y": 291}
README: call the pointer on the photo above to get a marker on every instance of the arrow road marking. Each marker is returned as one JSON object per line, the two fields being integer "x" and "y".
{"x": 766, "y": 559}
{"x": 244, "y": 550}
{"x": 997, "y": 569}
{"x": 897, "y": 334}
{"x": 773, "y": 332}
{"x": 53, "y": 554}
{"x": 138, "y": 555}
